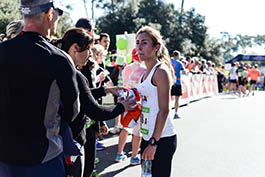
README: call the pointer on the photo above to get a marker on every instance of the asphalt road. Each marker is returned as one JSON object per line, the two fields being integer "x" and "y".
{"x": 221, "y": 136}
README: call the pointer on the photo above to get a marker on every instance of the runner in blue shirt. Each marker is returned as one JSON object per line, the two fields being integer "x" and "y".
{"x": 176, "y": 88}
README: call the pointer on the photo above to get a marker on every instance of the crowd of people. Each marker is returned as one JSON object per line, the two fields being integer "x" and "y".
{"x": 51, "y": 109}
{"x": 51, "y": 103}
{"x": 238, "y": 78}
{"x": 243, "y": 79}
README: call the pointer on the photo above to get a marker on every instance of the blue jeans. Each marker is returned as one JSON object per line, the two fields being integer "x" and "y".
{"x": 52, "y": 168}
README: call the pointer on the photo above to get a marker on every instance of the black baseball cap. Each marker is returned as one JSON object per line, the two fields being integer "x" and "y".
{"x": 39, "y": 6}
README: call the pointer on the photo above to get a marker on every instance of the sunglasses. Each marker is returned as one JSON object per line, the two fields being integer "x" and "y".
{"x": 60, "y": 11}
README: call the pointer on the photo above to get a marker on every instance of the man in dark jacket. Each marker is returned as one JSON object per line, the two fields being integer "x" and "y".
{"x": 41, "y": 77}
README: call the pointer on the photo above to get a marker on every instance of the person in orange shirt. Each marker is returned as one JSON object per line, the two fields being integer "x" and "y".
{"x": 253, "y": 74}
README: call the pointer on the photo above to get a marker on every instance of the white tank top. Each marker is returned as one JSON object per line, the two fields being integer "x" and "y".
{"x": 150, "y": 108}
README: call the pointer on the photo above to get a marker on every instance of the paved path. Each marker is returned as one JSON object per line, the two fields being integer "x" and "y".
{"x": 222, "y": 136}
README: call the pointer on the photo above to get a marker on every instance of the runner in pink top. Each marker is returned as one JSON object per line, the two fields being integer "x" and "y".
{"x": 131, "y": 76}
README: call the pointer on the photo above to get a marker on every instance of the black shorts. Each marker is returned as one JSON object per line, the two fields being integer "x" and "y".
{"x": 233, "y": 81}
{"x": 176, "y": 90}
{"x": 253, "y": 82}
{"x": 241, "y": 81}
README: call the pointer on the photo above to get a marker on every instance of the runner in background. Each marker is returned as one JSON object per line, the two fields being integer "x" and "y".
{"x": 176, "y": 88}
{"x": 248, "y": 68}
{"x": 242, "y": 75}
{"x": 254, "y": 74}
{"x": 233, "y": 78}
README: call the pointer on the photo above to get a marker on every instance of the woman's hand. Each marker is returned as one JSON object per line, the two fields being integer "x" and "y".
{"x": 102, "y": 76}
{"x": 149, "y": 152}
{"x": 114, "y": 90}
{"x": 128, "y": 103}
{"x": 109, "y": 84}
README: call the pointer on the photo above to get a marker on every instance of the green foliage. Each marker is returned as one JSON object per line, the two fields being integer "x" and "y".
{"x": 117, "y": 23}
{"x": 65, "y": 22}
{"x": 184, "y": 31}
{"x": 110, "y": 6}
{"x": 186, "y": 35}
{"x": 9, "y": 11}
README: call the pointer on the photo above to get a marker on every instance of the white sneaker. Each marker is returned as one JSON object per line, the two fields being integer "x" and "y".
{"x": 115, "y": 130}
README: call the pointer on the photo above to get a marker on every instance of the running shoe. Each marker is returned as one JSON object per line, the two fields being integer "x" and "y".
{"x": 135, "y": 161}
{"x": 96, "y": 160}
{"x": 115, "y": 130}
{"x": 95, "y": 174}
{"x": 120, "y": 157}
{"x": 97, "y": 141}
{"x": 99, "y": 147}
{"x": 176, "y": 116}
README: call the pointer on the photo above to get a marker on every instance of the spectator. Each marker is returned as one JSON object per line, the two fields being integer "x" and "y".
{"x": 203, "y": 66}
{"x": 220, "y": 78}
{"x": 101, "y": 74}
{"x": 89, "y": 71}
{"x": 104, "y": 40}
{"x": 115, "y": 72}
{"x": 77, "y": 43}
{"x": 14, "y": 28}
{"x": 113, "y": 69}
{"x": 2, "y": 37}
{"x": 29, "y": 106}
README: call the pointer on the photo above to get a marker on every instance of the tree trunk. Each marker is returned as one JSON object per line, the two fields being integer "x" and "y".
{"x": 92, "y": 9}
{"x": 85, "y": 8}
{"x": 182, "y": 6}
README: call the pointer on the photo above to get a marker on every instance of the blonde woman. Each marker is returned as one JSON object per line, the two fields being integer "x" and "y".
{"x": 159, "y": 139}
{"x": 101, "y": 74}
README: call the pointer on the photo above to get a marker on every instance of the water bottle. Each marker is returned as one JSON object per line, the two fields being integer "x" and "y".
{"x": 146, "y": 168}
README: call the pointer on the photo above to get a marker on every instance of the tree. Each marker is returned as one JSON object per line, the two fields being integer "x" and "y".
{"x": 64, "y": 23}
{"x": 117, "y": 23}
{"x": 126, "y": 17}
{"x": 8, "y": 12}
{"x": 111, "y": 6}
{"x": 162, "y": 17}
{"x": 212, "y": 50}
{"x": 195, "y": 29}
{"x": 182, "y": 30}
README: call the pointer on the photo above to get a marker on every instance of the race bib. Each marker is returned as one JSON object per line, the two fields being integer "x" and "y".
{"x": 144, "y": 120}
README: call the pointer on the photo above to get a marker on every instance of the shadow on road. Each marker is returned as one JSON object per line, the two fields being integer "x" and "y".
{"x": 113, "y": 173}
{"x": 107, "y": 159}
{"x": 229, "y": 98}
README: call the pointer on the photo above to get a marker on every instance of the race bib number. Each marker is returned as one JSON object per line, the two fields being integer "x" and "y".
{"x": 144, "y": 120}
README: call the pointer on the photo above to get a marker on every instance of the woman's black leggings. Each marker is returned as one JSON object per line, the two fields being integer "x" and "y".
{"x": 161, "y": 165}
